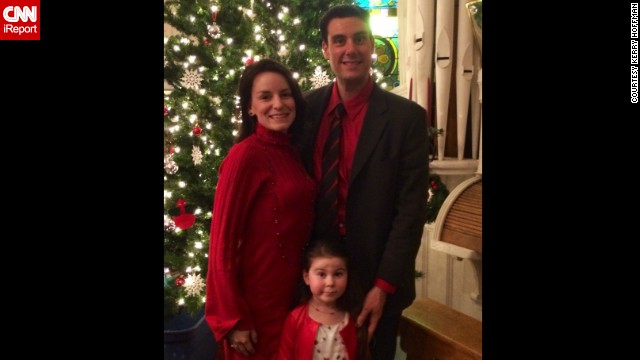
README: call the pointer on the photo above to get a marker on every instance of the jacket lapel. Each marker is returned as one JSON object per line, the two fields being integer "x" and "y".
{"x": 372, "y": 128}
{"x": 317, "y": 100}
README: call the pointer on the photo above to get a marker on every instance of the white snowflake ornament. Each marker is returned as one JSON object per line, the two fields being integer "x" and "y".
{"x": 193, "y": 285}
{"x": 196, "y": 155}
{"x": 191, "y": 79}
{"x": 319, "y": 78}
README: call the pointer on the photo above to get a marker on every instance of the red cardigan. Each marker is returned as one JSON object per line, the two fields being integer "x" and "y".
{"x": 299, "y": 334}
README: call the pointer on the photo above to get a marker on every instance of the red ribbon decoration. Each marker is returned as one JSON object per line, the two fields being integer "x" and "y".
{"x": 184, "y": 220}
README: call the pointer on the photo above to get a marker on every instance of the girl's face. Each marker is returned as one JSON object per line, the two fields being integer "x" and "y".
{"x": 272, "y": 102}
{"x": 327, "y": 278}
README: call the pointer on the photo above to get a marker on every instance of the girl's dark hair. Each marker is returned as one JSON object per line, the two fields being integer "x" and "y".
{"x": 352, "y": 299}
{"x": 248, "y": 125}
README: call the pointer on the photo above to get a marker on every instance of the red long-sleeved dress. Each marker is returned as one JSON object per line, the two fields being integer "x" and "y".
{"x": 263, "y": 211}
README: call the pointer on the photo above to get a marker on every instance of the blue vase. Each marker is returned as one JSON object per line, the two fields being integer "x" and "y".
{"x": 188, "y": 337}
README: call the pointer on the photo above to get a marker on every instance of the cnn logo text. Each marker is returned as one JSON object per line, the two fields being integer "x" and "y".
{"x": 20, "y": 20}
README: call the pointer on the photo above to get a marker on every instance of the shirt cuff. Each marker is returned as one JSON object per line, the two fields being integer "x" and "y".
{"x": 385, "y": 286}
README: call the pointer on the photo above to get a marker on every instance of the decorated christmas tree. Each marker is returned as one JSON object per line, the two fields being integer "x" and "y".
{"x": 212, "y": 43}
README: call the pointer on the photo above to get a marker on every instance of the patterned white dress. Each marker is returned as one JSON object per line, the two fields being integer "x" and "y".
{"x": 329, "y": 344}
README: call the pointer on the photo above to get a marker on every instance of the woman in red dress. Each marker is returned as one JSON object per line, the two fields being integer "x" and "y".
{"x": 263, "y": 210}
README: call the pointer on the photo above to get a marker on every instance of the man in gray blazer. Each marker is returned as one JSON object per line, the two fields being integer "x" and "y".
{"x": 383, "y": 174}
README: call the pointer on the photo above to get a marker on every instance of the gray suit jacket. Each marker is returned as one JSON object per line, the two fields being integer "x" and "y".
{"x": 386, "y": 202}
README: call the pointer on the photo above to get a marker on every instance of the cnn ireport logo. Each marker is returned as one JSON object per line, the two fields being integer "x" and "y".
{"x": 20, "y": 20}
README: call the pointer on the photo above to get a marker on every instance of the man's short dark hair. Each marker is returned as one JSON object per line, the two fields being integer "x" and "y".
{"x": 342, "y": 11}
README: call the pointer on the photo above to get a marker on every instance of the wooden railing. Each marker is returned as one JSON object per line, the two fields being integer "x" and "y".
{"x": 429, "y": 330}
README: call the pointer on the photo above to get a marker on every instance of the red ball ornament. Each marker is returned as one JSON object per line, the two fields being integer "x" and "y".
{"x": 166, "y": 111}
{"x": 197, "y": 130}
{"x": 180, "y": 281}
{"x": 249, "y": 61}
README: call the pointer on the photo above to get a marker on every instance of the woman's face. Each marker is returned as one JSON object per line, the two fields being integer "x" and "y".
{"x": 272, "y": 102}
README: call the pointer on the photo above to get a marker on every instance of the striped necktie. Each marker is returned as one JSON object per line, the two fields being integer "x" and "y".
{"x": 326, "y": 224}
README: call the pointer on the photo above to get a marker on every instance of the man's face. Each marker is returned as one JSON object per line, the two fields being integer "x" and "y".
{"x": 349, "y": 49}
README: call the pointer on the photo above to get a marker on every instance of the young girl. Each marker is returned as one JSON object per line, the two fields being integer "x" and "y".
{"x": 323, "y": 327}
